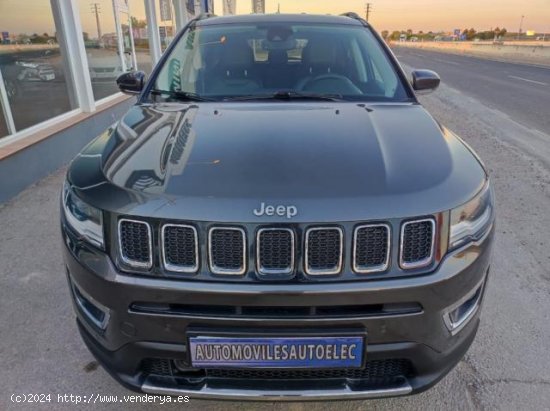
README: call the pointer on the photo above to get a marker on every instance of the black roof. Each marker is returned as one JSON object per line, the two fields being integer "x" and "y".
{"x": 283, "y": 18}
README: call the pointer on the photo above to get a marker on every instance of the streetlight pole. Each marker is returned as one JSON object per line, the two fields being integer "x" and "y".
{"x": 520, "y": 26}
{"x": 96, "y": 11}
{"x": 368, "y": 10}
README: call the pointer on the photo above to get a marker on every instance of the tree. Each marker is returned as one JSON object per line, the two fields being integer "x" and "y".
{"x": 471, "y": 34}
{"x": 85, "y": 36}
{"x": 385, "y": 34}
{"x": 502, "y": 32}
{"x": 138, "y": 24}
{"x": 395, "y": 35}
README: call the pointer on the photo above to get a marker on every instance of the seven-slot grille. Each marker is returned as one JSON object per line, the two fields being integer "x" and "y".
{"x": 324, "y": 249}
{"x": 275, "y": 248}
{"x": 417, "y": 243}
{"x": 180, "y": 248}
{"x": 275, "y": 251}
{"x": 227, "y": 250}
{"x": 371, "y": 248}
{"x": 135, "y": 243}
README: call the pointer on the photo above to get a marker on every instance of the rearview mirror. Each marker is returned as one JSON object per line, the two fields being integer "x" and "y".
{"x": 425, "y": 80}
{"x": 131, "y": 82}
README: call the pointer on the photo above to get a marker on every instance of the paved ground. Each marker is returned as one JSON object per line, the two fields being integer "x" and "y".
{"x": 507, "y": 368}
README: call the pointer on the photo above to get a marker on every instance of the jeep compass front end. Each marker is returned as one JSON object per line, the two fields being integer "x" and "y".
{"x": 277, "y": 218}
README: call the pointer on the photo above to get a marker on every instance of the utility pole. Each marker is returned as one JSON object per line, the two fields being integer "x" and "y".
{"x": 368, "y": 9}
{"x": 96, "y": 10}
{"x": 520, "y": 26}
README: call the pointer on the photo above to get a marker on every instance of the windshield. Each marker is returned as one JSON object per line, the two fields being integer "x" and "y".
{"x": 232, "y": 61}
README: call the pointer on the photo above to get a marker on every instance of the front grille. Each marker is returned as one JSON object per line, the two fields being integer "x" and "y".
{"x": 371, "y": 250}
{"x": 275, "y": 251}
{"x": 135, "y": 243}
{"x": 227, "y": 250}
{"x": 180, "y": 248}
{"x": 324, "y": 248}
{"x": 417, "y": 243}
{"x": 375, "y": 371}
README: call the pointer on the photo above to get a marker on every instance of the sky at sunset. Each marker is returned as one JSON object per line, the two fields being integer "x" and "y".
{"x": 34, "y": 16}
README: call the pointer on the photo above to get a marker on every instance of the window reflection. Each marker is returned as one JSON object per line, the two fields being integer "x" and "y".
{"x": 166, "y": 17}
{"x": 116, "y": 40}
{"x": 141, "y": 35}
{"x": 105, "y": 62}
{"x": 34, "y": 68}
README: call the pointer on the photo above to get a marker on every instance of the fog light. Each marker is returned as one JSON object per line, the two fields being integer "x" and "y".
{"x": 92, "y": 310}
{"x": 464, "y": 310}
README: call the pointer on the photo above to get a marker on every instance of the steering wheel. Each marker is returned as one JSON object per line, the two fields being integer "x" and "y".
{"x": 332, "y": 83}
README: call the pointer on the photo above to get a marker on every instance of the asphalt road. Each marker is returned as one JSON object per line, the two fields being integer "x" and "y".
{"x": 507, "y": 367}
{"x": 521, "y": 91}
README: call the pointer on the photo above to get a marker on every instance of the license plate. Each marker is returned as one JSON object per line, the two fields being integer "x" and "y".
{"x": 280, "y": 352}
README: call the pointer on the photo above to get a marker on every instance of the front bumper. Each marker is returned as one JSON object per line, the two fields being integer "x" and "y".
{"x": 134, "y": 338}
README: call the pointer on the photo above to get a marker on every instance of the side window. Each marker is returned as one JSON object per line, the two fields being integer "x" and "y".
{"x": 296, "y": 53}
{"x": 260, "y": 55}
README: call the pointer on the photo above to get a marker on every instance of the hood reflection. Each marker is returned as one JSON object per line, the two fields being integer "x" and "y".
{"x": 164, "y": 132}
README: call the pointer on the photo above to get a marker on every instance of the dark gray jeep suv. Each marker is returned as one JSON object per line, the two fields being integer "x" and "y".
{"x": 277, "y": 218}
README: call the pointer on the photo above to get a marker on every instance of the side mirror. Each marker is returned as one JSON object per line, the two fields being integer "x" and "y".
{"x": 131, "y": 82}
{"x": 425, "y": 80}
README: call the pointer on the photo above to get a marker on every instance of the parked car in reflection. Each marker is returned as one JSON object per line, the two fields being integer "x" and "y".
{"x": 105, "y": 68}
{"x": 35, "y": 71}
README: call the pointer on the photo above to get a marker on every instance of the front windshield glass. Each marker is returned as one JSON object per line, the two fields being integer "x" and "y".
{"x": 226, "y": 61}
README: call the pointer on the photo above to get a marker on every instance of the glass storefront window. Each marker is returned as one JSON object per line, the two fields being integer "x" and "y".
{"x": 116, "y": 40}
{"x": 101, "y": 40}
{"x": 36, "y": 76}
{"x": 140, "y": 34}
{"x": 166, "y": 17}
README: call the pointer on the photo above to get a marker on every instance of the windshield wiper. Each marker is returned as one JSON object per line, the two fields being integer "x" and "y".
{"x": 180, "y": 95}
{"x": 288, "y": 95}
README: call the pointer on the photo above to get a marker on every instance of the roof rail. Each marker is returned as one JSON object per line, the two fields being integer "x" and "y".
{"x": 355, "y": 16}
{"x": 204, "y": 16}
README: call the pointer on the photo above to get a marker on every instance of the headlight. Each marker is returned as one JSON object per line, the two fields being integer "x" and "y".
{"x": 471, "y": 221}
{"x": 86, "y": 220}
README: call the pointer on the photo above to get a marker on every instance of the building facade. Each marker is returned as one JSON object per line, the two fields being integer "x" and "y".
{"x": 258, "y": 6}
{"x": 229, "y": 7}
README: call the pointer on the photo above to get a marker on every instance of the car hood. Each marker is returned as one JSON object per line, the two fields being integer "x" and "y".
{"x": 333, "y": 161}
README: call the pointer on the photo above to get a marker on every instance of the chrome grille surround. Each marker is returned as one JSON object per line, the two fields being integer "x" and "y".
{"x": 179, "y": 268}
{"x": 128, "y": 261}
{"x": 338, "y": 268}
{"x": 220, "y": 270}
{"x": 425, "y": 261}
{"x": 375, "y": 268}
{"x": 263, "y": 270}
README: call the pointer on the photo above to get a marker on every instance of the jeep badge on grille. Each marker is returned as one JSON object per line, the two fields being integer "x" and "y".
{"x": 280, "y": 210}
